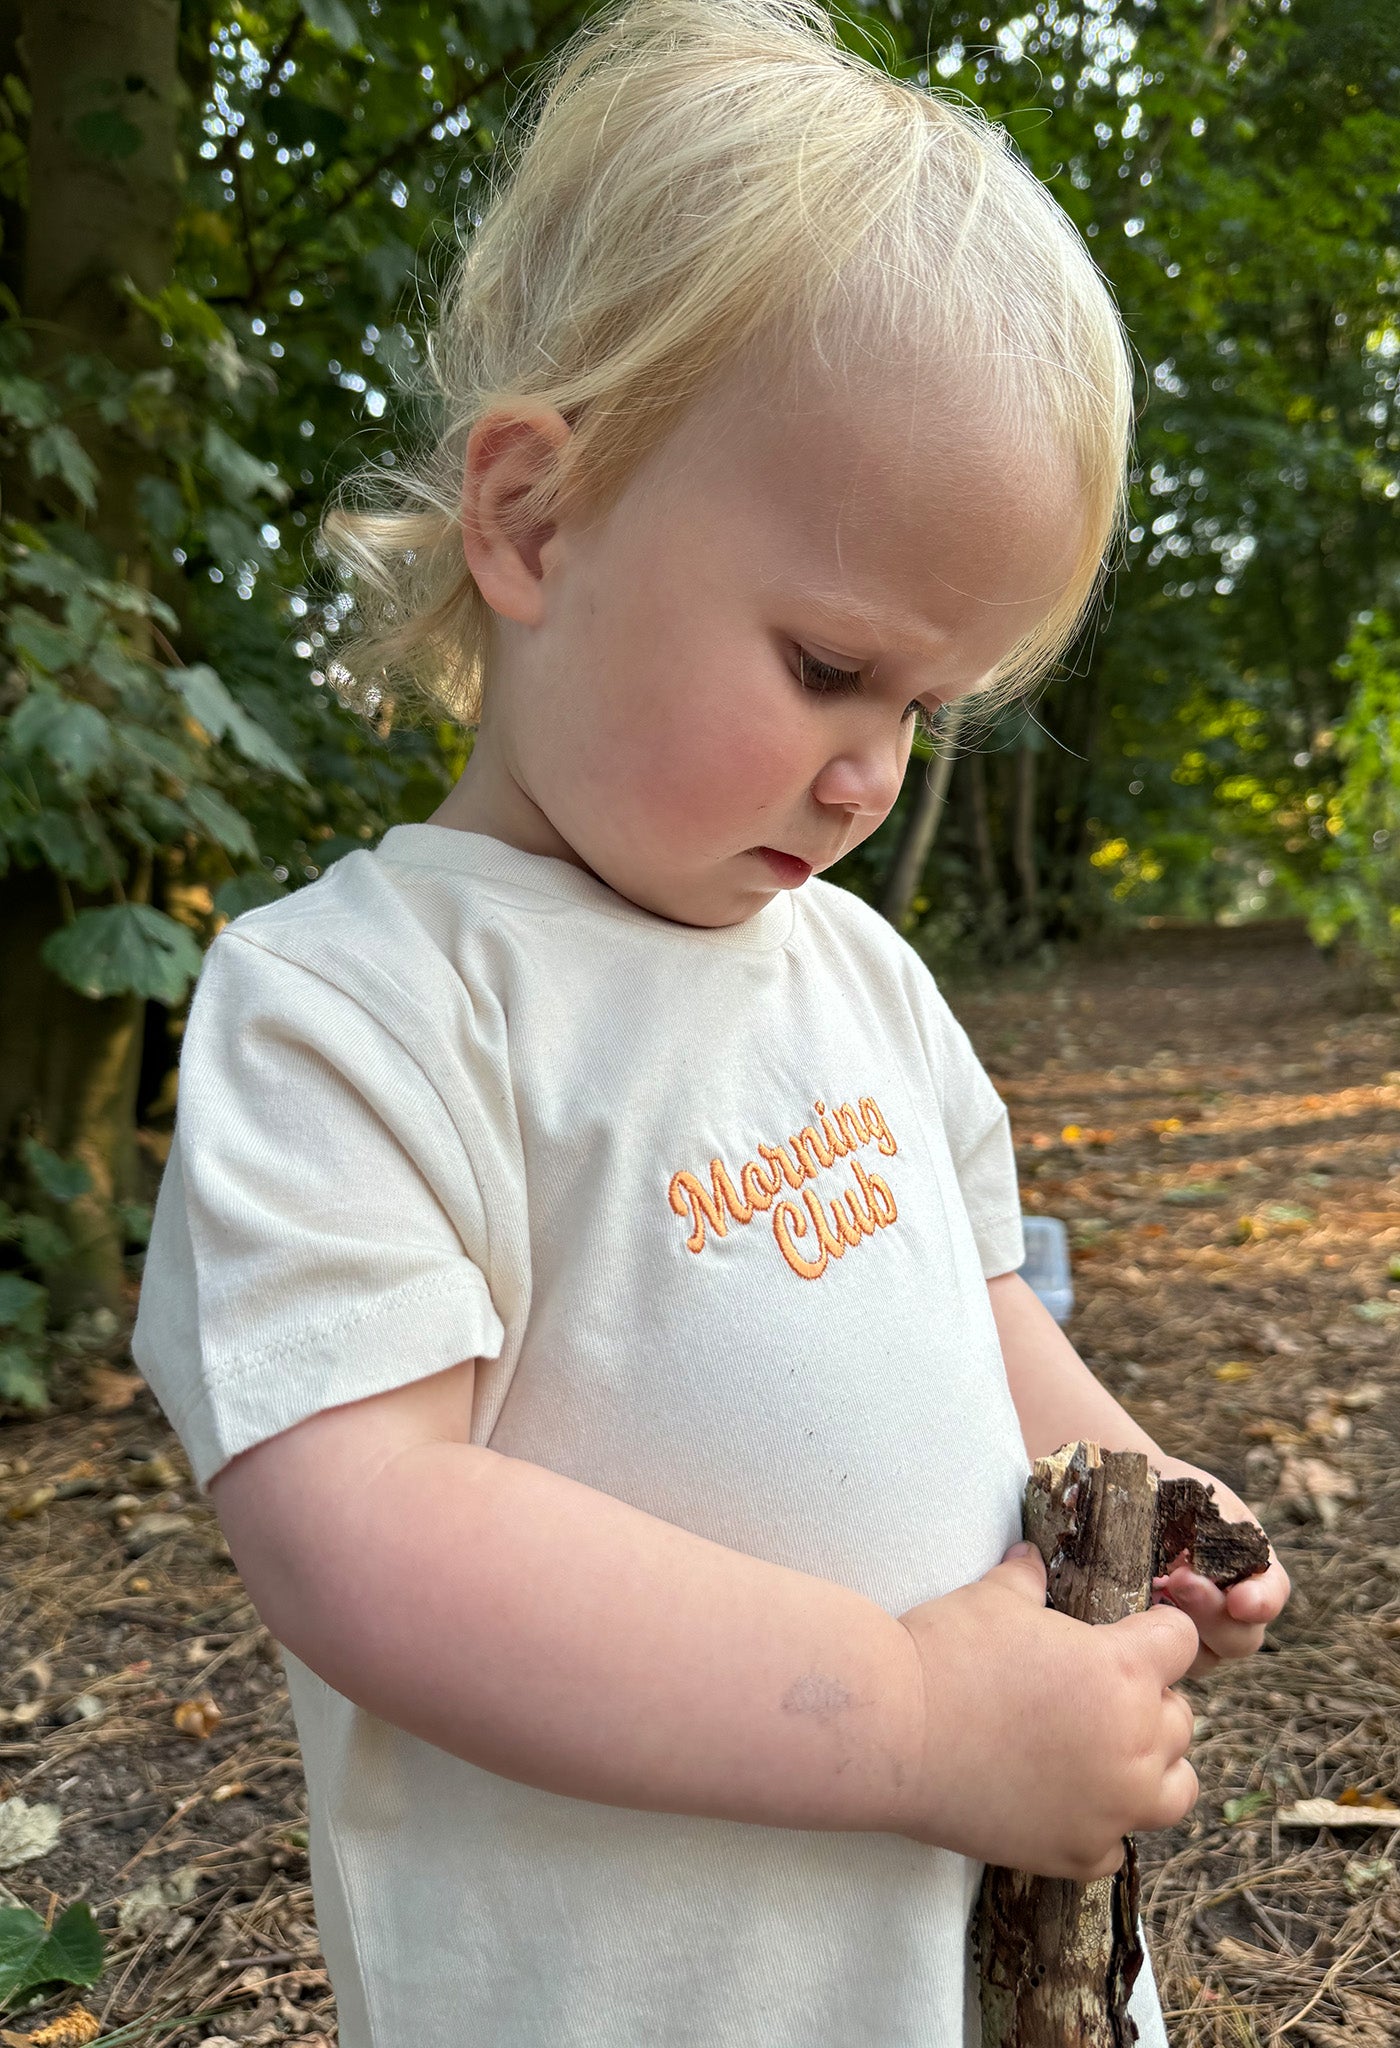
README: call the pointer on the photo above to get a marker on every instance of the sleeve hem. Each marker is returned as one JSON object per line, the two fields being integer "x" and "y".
{"x": 405, "y": 1337}
{"x": 1000, "y": 1245}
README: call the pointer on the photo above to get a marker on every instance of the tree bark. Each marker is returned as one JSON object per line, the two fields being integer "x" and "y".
{"x": 104, "y": 194}
{"x": 1023, "y": 845}
{"x": 1059, "y": 1960}
{"x": 983, "y": 847}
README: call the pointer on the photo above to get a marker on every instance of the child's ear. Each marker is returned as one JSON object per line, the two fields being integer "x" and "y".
{"x": 509, "y": 450}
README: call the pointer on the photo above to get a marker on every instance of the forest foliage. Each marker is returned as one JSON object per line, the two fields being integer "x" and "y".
{"x": 220, "y": 243}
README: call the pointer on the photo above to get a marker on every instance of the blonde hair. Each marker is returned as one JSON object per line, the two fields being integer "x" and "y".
{"x": 705, "y": 179}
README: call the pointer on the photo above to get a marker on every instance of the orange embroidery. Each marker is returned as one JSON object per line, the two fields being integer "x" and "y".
{"x": 864, "y": 1209}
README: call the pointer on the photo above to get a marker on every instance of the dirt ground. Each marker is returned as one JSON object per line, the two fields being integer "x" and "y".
{"x": 1223, "y": 1138}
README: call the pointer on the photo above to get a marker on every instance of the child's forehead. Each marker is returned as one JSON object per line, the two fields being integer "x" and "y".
{"x": 856, "y": 485}
{"x": 894, "y": 439}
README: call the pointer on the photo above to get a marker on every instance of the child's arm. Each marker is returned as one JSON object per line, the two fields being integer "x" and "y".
{"x": 1058, "y": 1400}
{"x": 558, "y": 1636}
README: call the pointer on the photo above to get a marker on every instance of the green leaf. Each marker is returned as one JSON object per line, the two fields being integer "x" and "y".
{"x": 221, "y": 822}
{"x": 335, "y": 19}
{"x": 210, "y": 703}
{"x": 48, "y": 569}
{"x": 28, "y": 404}
{"x": 242, "y": 475}
{"x": 135, "y": 1221}
{"x": 110, "y": 660}
{"x": 161, "y": 506}
{"x": 45, "y": 1244}
{"x": 57, "y": 452}
{"x": 22, "y": 1304}
{"x": 232, "y": 539}
{"x": 22, "y": 1384}
{"x": 389, "y": 261}
{"x": 70, "y": 1952}
{"x": 124, "y": 949}
{"x": 74, "y": 736}
{"x": 155, "y": 748}
{"x": 295, "y": 122}
{"x": 48, "y": 647}
{"x": 1197, "y": 1191}
{"x": 62, "y": 841}
{"x": 61, "y": 1179}
{"x": 1245, "y": 1806}
{"x": 246, "y": 892}
{"x": 1375, "y": 1311}
{"x": 108, "y": 134}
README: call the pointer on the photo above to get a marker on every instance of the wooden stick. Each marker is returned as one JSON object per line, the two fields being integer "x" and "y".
{"x": 1059, "y": 1960}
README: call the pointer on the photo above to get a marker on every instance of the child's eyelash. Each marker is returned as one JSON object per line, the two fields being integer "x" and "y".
{"x": 824, "y": 678}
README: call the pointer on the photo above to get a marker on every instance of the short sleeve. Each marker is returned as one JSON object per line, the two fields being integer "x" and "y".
{"x": 314, "y": 1231}
{"x": 979, "y": 1138}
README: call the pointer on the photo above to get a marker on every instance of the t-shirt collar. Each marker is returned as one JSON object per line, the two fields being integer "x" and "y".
{"x": 485, "y": 859}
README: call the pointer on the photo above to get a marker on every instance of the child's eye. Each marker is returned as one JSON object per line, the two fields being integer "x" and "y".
{"x": 823, "y": 679}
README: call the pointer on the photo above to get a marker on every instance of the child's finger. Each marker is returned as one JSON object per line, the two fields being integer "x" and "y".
{"x": 1260, "y": 1600}
{"x": 1205, "y": 1605}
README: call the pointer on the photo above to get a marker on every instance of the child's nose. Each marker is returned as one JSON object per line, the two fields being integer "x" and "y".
{"x": 863, "y": 780}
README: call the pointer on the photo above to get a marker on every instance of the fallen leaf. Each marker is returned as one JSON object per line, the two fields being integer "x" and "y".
{"x": 1314, "y": 1489}
{"x": 1287, "y": 1347}
{"x": 154, "y": 1904}
{"x": 149, "y": 1530}
{"x": 1231, "y": 1951}
{"x": 1359, "y": 1876}
{"x": 71, "y": 2030}
{"x": 1246, "y": 1806}
{"x": 108, "y": 1390}
{"x": 1232, "y": 1370}
{"x": 1329, "y": 1813}
{"x": 1327, "y": 1422}
{"x": 26, "y": 1831}
{"x": 30, "y": 1503}
{"x": 198, "y": 1718}
{"x": 1265, "y": 1429}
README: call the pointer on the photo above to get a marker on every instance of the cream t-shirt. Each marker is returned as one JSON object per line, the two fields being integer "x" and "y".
{"x": 714, "y": 1211}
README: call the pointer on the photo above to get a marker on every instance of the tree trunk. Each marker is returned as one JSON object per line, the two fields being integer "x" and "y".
{"x": 983, "y": 849}
{"x": 68, "y": 1073}
{"x": 104, "y": 198}
{"x": 921, "y": 825}
{"x": 1023, "y": 845}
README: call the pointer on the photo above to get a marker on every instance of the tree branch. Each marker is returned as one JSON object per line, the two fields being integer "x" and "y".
{"x": 469, "y": 90}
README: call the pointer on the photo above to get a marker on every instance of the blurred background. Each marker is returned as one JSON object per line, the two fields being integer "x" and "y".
{"x": 1165, "y": 897}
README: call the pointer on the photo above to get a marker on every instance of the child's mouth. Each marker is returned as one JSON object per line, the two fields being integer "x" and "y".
{"x": 791, "y": 871}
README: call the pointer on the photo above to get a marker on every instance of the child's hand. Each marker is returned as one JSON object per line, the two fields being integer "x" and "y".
{"x": 1046, "y": 1740}
{"x": 1229, "y": 1624}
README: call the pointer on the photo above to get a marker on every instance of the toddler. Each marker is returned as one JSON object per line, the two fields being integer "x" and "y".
{"x": 584, "y": 1278}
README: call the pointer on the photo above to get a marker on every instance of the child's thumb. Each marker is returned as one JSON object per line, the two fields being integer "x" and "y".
{"x": 1026, "y": 1569}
